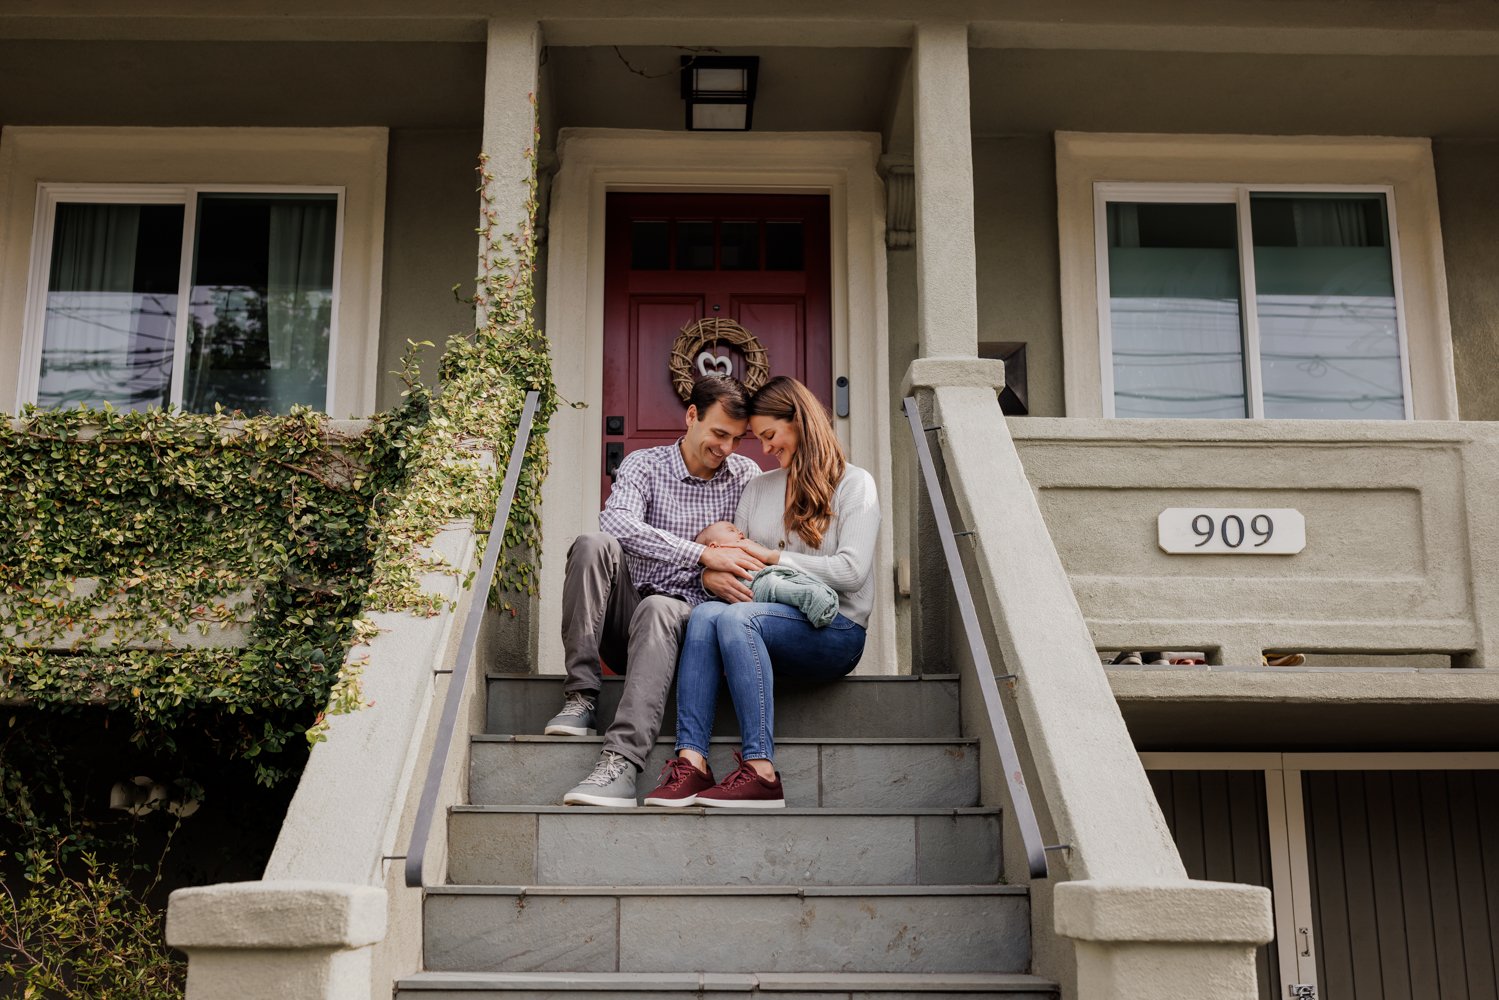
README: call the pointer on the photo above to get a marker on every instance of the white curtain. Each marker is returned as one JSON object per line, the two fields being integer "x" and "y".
{"x": 299, "y": 299}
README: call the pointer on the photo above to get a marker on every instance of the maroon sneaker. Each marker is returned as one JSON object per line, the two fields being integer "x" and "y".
{"x": 680, "y": 784}
{"x": 744, "y": 789}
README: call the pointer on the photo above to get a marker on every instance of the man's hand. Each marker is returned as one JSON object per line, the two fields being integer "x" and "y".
{"x": 730, "y": 559}
{"x": 727, "y": 586}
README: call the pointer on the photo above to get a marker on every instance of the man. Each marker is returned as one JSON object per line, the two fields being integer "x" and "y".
{"x": 631, "y": 586}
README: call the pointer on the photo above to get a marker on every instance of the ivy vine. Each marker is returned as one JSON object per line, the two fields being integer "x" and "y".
{"x": 133, "y": 545}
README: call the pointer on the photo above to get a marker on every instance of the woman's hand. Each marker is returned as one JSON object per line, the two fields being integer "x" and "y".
{"x": 731, "y": 559}
{"x": 727, "y": 586}
{"x": 767, "y": 556}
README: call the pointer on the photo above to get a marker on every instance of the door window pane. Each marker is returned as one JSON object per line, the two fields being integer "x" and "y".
{"x": 262, "y": 302}
{"x": 650, "y": 246}
{"x": 784, "y": 246}
{"x": 111, "y": 308}
{"x": 741, "y": 246}
{"x": 1325, "y": 299}
{"x": 1174, "y": 310}
{"x": 694, "y": 246}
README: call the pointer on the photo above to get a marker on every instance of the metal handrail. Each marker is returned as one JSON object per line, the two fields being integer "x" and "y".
{"x": 416, "y": 850}
{"x": 1020, "y": 798}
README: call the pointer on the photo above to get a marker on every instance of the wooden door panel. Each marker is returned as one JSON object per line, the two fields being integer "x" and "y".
{"x": 655, "y": 322}
{"x": 780, "y": 325}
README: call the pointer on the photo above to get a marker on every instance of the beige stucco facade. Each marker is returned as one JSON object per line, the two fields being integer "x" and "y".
{"x": 960, "y": 145}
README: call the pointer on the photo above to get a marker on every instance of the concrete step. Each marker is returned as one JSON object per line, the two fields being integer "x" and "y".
{"x": 723, "y": 986}
{"x": 921, "y": 706}
{"x": 868, "y": 772}
{"x": 560, "y": 845}
{"x": 732, "y": 929}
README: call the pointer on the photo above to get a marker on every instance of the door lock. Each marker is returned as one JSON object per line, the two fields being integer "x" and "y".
{"x": 614, "y": 425}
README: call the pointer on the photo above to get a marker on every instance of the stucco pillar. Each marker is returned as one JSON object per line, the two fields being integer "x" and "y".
{"x": 946, "y": 277}
{"x": 1143, "y": 941}
{"x": 277, "y": 940}
{"x": 510, "y": 68}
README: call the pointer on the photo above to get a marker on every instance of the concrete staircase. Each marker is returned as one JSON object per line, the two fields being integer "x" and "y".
{"x": 881, "y": 878}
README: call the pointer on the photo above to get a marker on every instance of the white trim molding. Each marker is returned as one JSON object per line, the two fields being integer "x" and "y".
{"x": 1402, "y": 168}
{"x": 350, "y": 161}
{"x": 593, "y": 162}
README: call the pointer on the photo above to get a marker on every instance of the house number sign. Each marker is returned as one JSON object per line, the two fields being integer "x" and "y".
{"x": 1235, "y": 531}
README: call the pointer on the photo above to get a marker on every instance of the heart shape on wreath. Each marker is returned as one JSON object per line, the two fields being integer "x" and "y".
{"x": 713, "y": 364}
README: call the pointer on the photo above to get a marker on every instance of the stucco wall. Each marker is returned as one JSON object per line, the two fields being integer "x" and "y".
{"x": 394, "y": 84}
{"x": 1015, "y": 226}
{"x": 1470, "y": 220}
{"x": 430, "y": 214}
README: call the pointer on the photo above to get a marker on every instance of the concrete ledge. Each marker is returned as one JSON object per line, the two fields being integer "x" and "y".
{"x": 276, "y": 915}
{"x": 1277, "y": 684}
{"x": 1164, "y": 912}
{"x": 965, "y": 373}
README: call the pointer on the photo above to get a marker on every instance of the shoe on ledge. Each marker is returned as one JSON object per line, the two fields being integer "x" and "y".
{"x": 576, "y": 717}
{"x": 680, "y": 784}
{"x": 611, "y": 783}
{"x": 744, "y": 789}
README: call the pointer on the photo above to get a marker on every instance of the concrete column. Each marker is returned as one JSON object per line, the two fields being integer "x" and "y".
{"x": 946, "y": 276}
{"x": 510, "y": 76}
{"x": 277, "y": 940}
{"x": 1143, "y": 941}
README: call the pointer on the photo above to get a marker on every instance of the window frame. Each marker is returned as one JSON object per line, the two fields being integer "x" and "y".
{"x": 1402, "y": 169}
{"x": 259, "y": 158}
{"x": 49, "y": 195}
{"x": 1237, "y": 195}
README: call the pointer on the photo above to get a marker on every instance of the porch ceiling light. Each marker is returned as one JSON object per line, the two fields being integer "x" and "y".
{"x": 719, "y": 91}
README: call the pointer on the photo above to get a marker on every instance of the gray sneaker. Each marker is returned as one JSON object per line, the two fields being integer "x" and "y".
{"x": 612, "y": 783}
{"x": 576, "y": 717}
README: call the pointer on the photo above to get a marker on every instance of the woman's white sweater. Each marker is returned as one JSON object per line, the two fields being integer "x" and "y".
{"x": 845, "y": 560}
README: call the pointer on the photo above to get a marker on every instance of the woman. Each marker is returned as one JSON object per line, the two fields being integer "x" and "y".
{"x": 818, "y": 515}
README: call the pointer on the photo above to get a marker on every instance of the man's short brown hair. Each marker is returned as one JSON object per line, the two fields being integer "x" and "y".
{"x": 727, "y": 392}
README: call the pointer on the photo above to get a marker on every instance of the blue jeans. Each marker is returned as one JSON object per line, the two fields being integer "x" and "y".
{"x": 747, "y": 645}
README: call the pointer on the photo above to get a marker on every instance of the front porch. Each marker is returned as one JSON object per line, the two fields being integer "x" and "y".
{"x": 958, "y": 230}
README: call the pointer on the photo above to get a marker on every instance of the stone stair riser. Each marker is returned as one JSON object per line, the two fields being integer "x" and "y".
{"x": 837, "y": 775}
{"x": 764, "y": 933}
{"x": 646, "y": 847}
{"x": 850, "y": 707}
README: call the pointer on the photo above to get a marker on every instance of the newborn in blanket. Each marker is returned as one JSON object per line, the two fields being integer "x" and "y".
{"x": 779, "y": 584}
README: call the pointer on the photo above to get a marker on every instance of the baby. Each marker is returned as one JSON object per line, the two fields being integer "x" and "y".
{"x": 779, "y": 584}
{"x": 719, "y": 534}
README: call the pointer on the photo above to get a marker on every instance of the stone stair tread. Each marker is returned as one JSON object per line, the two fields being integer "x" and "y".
{"x": 979, "y": 889}
{"x": 734, "y": 740}
{"x": 854, "y": 678}
{"x": 697, "y": 982}
{"x": 654, "y": 811}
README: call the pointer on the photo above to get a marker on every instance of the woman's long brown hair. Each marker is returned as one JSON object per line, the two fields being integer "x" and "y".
{"x": 813, "y": 474}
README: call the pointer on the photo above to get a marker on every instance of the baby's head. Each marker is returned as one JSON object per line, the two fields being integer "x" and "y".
{"x": 720, "y": 533}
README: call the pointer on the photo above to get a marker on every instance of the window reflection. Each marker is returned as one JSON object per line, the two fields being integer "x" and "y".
{"x": 111, "y": 310}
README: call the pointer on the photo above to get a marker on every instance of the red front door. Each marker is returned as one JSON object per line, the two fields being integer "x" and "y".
{"x": 761, "y": 260}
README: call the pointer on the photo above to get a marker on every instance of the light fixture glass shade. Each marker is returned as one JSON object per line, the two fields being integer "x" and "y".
{"x": 719, "y": 92}
{"x": 725, "y": 80}
{"x": 709, "y": 117}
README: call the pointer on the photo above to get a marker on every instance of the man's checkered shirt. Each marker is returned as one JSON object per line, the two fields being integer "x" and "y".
{"x": 657, "y": 508}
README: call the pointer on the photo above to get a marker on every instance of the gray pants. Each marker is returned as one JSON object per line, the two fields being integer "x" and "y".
{"x": 603, "y": 615}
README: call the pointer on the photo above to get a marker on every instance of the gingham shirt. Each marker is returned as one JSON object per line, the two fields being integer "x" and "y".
{"x": 657, "y": 508}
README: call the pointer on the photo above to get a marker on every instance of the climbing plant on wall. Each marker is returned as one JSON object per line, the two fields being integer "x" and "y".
{"x": 188, "y": 569}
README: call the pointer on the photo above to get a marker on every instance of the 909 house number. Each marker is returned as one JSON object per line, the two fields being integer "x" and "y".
{"x": 1239, "y": 531}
